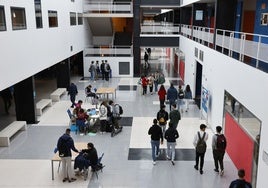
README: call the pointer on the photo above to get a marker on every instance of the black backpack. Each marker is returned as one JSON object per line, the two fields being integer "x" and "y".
{"x": 181, "y": 94}
{"x": 201, "y": 145}
{"x": 63, "y": 147}
{"x": 221, "y": 142}
{"x": 120, "y": 109}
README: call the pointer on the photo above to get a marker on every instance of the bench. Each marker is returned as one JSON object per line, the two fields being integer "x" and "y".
{"x": 10, "y": 130}
{"x": 55, "y": 96}
{"x": 40, "y": 105}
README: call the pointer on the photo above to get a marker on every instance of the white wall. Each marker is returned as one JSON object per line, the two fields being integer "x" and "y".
{"x": 113, "y": 62}
{"x": 244, "y": 82}
{"x": 26, "y": 52}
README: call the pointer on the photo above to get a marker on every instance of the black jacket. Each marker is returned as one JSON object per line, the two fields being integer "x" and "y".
{"x": 156, "y": 133}
{"x": 91, "y": 155}
{"x": 171, "y": 134}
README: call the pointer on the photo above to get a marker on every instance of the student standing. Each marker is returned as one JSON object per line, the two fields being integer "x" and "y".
{"x": 65, "y": 145}
{"x": 200, "y": 147}
{"x": 156, "y": 138}
{"x": 171, "y": 135}
{"x": 188, "y": 96}
{"x": 218, "y": 146}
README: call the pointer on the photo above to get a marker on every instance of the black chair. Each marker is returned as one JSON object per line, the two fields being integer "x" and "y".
{"x": 97, "y": 167}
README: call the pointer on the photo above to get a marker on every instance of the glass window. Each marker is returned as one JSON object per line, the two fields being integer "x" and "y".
{"x": 80, "y": 18}
{"x": 18, "y": 18}
{"x": 52, "y": 18}
{"x": 38, "y": 14}
{"x": 72, "y": 18}
{"x": 2, "y": 19}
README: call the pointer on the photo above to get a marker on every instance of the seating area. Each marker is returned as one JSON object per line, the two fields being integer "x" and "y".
{"x": 40, "y": 105}
{"x": 10, "y": 130}
{"x": 55, "y": 95}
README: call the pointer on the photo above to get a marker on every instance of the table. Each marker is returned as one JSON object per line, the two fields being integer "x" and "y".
{"x": 106, "y": 90}
{"x": 56, "y": 158}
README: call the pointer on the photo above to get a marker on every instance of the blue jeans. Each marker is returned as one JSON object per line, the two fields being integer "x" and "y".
{"x": 171, "y": 150}
{"x": 180, "y": 104}
{"x": 155, "y": 86}
{"x": 92, "y": 74}
{"x": 155, "y": 148}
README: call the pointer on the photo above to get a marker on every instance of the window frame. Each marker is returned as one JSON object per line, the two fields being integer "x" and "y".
{"x": 50, "y": 19}
{"x": 23, "y": 18}
{"x": 38, "y": 23}
{"x": 73, "y": 19}
{"x": 2, "y": 9}
{"x": 80, "y": 19}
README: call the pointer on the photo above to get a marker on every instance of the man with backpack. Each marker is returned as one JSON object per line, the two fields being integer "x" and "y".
{"x": 200, "y": 147}
{"x": 65, "y": 145}
{"x": 117, "y": 111}
{"x": 240, "y": 182}
{"x": 218, "y": 146}
{"x": 162, "y": 117}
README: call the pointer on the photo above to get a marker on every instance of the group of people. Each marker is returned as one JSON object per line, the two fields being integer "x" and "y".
{"x": 175, "y": 96}
{"x": 153, "y": 80}
{"x": 87, "y": 157}
{"x": 96, "y": 70}
{"x": 158, "y": 131}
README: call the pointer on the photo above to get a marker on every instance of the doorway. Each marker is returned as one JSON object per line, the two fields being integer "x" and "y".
{"x": 198, "y": 83}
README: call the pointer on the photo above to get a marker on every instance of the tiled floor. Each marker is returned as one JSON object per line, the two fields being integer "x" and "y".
{"x": 26, "y": 163}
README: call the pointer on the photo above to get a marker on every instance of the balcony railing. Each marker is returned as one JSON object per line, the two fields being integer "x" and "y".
{"x": 97, "y": 7}
{"x": 246, "y": 47}
{"x": 109, "y": 51}
{"x": 159, "y": 28}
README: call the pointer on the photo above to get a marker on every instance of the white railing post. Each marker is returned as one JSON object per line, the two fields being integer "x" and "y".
{"x": 231, "y": 44}
{"x": 258, "y": 52}
{"x": 242, "y": 47}
{"x": 222, "y": 45}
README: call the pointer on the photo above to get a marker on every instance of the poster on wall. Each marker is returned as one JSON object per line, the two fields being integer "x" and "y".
{"x": 204, "y": 102}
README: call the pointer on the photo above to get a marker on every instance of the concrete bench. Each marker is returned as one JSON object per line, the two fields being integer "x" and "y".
{"x": 40, "y": 105}
{"x": 55, "y": 96}
{"x": 10, "y": 130}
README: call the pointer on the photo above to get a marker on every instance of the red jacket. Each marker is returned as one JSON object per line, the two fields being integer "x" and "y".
{"x": 144, "y": 81}
{"x": 162, "y": 94}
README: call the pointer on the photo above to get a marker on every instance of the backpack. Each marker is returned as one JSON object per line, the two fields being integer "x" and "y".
{"x": 201, "y": 145}
{"x": 63, "y": 147}
{"x": 221, "y": 142}
{"x": 108, "y": 68}
{"x": 90, "y": 68}
{"x": 120, "y": 109}
{"x": 181, "y": 94}
{"x": 162, "y": 120}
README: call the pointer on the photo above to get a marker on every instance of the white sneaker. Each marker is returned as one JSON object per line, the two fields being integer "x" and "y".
{"x": 154, "y": 162}
{"x": 168, "y": 158}
{"x": 221, "y": 172}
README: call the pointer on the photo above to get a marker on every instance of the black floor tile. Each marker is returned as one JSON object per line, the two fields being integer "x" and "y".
{"x": 126, "y": 121}
{"x": 127, "y": 88}
{"x": 146, "y": 154}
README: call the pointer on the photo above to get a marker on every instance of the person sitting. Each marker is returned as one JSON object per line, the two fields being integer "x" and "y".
{"x": 89, "y": 93}
{"x": 87, "y": 157}
{"x": 77, "y": 108}
{"x": 81, "y": 120}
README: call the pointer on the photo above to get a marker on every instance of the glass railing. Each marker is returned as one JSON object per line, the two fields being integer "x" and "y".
{"x": 108, "y": 51}
{"x": 159, "y": 28}
{"x": 246, "y": 47}
{"x": 98, "y": 7}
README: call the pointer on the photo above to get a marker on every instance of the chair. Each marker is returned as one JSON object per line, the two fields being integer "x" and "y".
{"x": 97, "y": 167}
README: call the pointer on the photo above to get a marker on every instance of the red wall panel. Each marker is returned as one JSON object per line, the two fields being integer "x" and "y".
{"x": 239, "y": 145}
{"x": 181, "y": 69}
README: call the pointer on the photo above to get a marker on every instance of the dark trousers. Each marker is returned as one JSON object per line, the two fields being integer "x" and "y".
{"x": 72, "y": 98}
{"x": 102, "y": 75}
{"x": 103, "y": 124}
{"x": 201, "y": 156}
{"x": 162, "y": 102}
{"x": 107, "y": 76}
{"x": 218, "y": 159}
{"x": 144, "y": 91}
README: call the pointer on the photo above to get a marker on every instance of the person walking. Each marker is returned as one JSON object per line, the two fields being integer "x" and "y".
{"x": 171, "y": 135}
{"x": 200, "y": 147}
{"x": 107, "y": 70}
{"x": 172, "y": 95}
{"x": 188, "y": 96}
{"x": 240, "y": 182}
{"x": 162, "y": 117}
{"x": 218, "y": 146}
{"x": 156, "y": 138}
{"x": 65, "y": 145}
{"x": 174, "y": 116}
{"x": 72, "y": 91}
{"x": 180, "y": 98}
{"x": 144, "y": 83}
{"x": 162, "y": 95}
{"x": 156, "y": 80}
